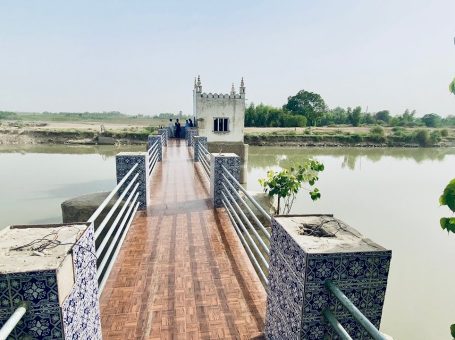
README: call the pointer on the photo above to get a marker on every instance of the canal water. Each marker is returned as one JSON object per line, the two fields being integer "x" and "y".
{"x": 390, "y": 195}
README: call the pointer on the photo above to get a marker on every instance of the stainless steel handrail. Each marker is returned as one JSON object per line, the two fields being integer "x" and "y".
{"x": 245, "y": 244}
{"x": 108, "y": 216}
{"x": 336, "y": 325}
{"x": 113, "y": 192}
{"x": 115, "y": 254}
{"x": 245, "y": 218}
{"x": 256, "y": 204}
{"x": 12, "y": 321}
{"x": 255, "y": 247}
{"x": 252, "y": 214}
{"x": 354, "y": 311}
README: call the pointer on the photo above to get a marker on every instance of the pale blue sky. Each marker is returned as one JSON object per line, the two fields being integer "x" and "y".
{"x": 141, "y": 56}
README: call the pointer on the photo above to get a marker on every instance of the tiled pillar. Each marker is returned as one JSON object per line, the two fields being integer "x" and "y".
{"x": 60, "y": 288}
{"x": 190, "y": 133}
{"x": 199, "y": 140}
{"x": 124, "y": 162}
{"x": 300, "y": 265}
{"x": 232, "y": 163}
{"x": 163, "y": 132}
{"x": 151, "y": 139}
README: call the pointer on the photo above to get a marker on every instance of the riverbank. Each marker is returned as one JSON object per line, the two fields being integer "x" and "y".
{"x": 121, "y": 134}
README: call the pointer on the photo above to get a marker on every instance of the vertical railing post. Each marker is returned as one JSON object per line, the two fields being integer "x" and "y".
{"x": 151, "y": 140}
{"x": 232, "y": 163}
{"x": 305, "y": 252}
{"x": 163, "y": 132}
{"x": 198, "y": 141}
{"x": 190, "y": 133}
{"x": 124, "y": 162}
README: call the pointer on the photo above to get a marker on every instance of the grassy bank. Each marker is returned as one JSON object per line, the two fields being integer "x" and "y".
{"x": 349, "y": 136}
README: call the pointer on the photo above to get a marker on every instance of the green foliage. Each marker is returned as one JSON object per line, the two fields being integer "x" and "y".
{"x": 285, "y": 184}
{"x": 383, "y": 116}
{"x": 422, "y": 137}
{"x": 377, "y": 130}
{"x": 7, "y": 115}
{"x": 448, "y": 198}
{"x": 452, "y": 330}
{"x": 452, "y": 86}
{"x": 355, "y": 116}
{"x": 308, "y": 104}
{"x": 431, "y": 120}
{"x": 444, "y": 132}
{"x": 435, "y": 137}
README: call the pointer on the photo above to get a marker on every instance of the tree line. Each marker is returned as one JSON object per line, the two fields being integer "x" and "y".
{"x": 309, "y": 109}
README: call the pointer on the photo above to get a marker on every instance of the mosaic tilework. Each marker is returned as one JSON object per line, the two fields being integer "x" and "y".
{"x": 164, "y": 133}
{"x": 199, "y": 140}
{"x": 43, "y": 318}
{"x": 297, "y": 295}
{"x": 189, "y": 135}
{"x": 124, "y": 162}
{"x": 151, "y": 140}
{"x": 80, "y": 310}
{"x": 232, "y": 163}
{"x": 77, "y": 318}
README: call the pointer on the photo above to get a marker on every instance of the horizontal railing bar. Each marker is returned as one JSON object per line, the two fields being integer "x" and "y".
{"x": 245, "y": 218}
{"x": 336, "y": 325}
{"x": 256, "y": 204}
{"x": 247, "y": 247}
{"x": 258, "y": 223}
{"x": 109, "y": 197}
{"x": 117, "y": 235}
{"x": 100, "y": 248}
{"x": 206, "y": 166}
{"x": 152, "y": 163}
{"x": 13, "y": 320}
{"x": 114, "y": 207}
{"x": 240, "y": 223}
{"x": 114, "y": 256}
{"x": 354, "y": 311}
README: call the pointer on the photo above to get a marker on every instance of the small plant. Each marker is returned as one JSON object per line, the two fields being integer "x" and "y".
{"x": 377, "y": 130}
{"x": 452, "y": 86}
{"x": 444, "y": 132}
{"x": 286, "y": 183}
{"x": 448, "y": 198}
{"x": 435, "y": 137}
{"x": 422, "y": 137}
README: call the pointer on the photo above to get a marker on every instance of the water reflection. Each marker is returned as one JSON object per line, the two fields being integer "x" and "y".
{"x": 264, "y": 157}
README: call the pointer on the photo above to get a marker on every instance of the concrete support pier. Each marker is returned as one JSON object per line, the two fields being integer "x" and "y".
{"x": 57, "y": 284}
{"x": 232, "y": 163}
{"x": 306, "y": 251}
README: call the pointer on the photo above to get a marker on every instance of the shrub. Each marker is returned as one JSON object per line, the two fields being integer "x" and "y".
{"x": 444, "y": 132}
{"x": 435, "y": 136}
{"x": 422, "y": 137}
{"x": 377, "y": 131}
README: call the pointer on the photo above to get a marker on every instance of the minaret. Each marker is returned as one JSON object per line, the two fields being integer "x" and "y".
{"x": 242, "y": 87}
{"x": 232, "y": 90}
{"x": 198, "y": 85}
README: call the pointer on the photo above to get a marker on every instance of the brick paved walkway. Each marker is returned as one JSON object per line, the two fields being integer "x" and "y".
{"x": 182, "y": 272}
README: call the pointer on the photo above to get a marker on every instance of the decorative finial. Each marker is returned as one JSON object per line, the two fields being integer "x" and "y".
{"x": 242, "y": 87}
{"x": 242, "y": 83}
{"x": 195, "y": 82}
{"x": 232, "y": 89}
{"x": 199, "y": 80}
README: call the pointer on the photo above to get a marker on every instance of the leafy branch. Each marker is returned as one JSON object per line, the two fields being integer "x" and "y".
{"x": 285, "y": 184}
{"x": 448, "y": 198}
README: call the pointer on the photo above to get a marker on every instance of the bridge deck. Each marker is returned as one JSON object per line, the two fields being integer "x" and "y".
{"x": 182, "y": 272}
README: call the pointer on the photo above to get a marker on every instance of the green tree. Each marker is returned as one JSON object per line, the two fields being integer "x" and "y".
{"x": 285, "y": 184}
{"x": 383, "y": 115}
{"x": 355, "y": 116}
{"x": 308, "y": 104}
{"x": 431, "y": 120}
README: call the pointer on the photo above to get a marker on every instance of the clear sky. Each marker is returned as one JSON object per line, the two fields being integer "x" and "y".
{"x": 142, "y": 56}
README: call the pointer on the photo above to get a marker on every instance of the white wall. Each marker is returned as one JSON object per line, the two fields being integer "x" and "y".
{"x": 209, "y": 106}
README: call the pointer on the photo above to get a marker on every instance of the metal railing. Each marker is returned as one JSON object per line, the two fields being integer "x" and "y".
{"x": 255, "y": 238}
{"x": 111, "y": 231}
{"x": 153, "y": 154}
{"x": 355, "y": 313}
{"x": 256, "y": 241}
{"x": 203, "y": 158}
{"x": 13, "y": 320}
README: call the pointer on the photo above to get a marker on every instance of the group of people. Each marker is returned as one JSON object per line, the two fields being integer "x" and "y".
{"x": 175, "y": 129}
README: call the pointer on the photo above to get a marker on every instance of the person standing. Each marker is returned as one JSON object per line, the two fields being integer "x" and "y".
{"x": 177, "y": 128}
{"x": 170, "y": 127}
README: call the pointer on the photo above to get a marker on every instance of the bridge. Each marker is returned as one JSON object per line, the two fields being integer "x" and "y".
{"x": 179, "y": 249}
